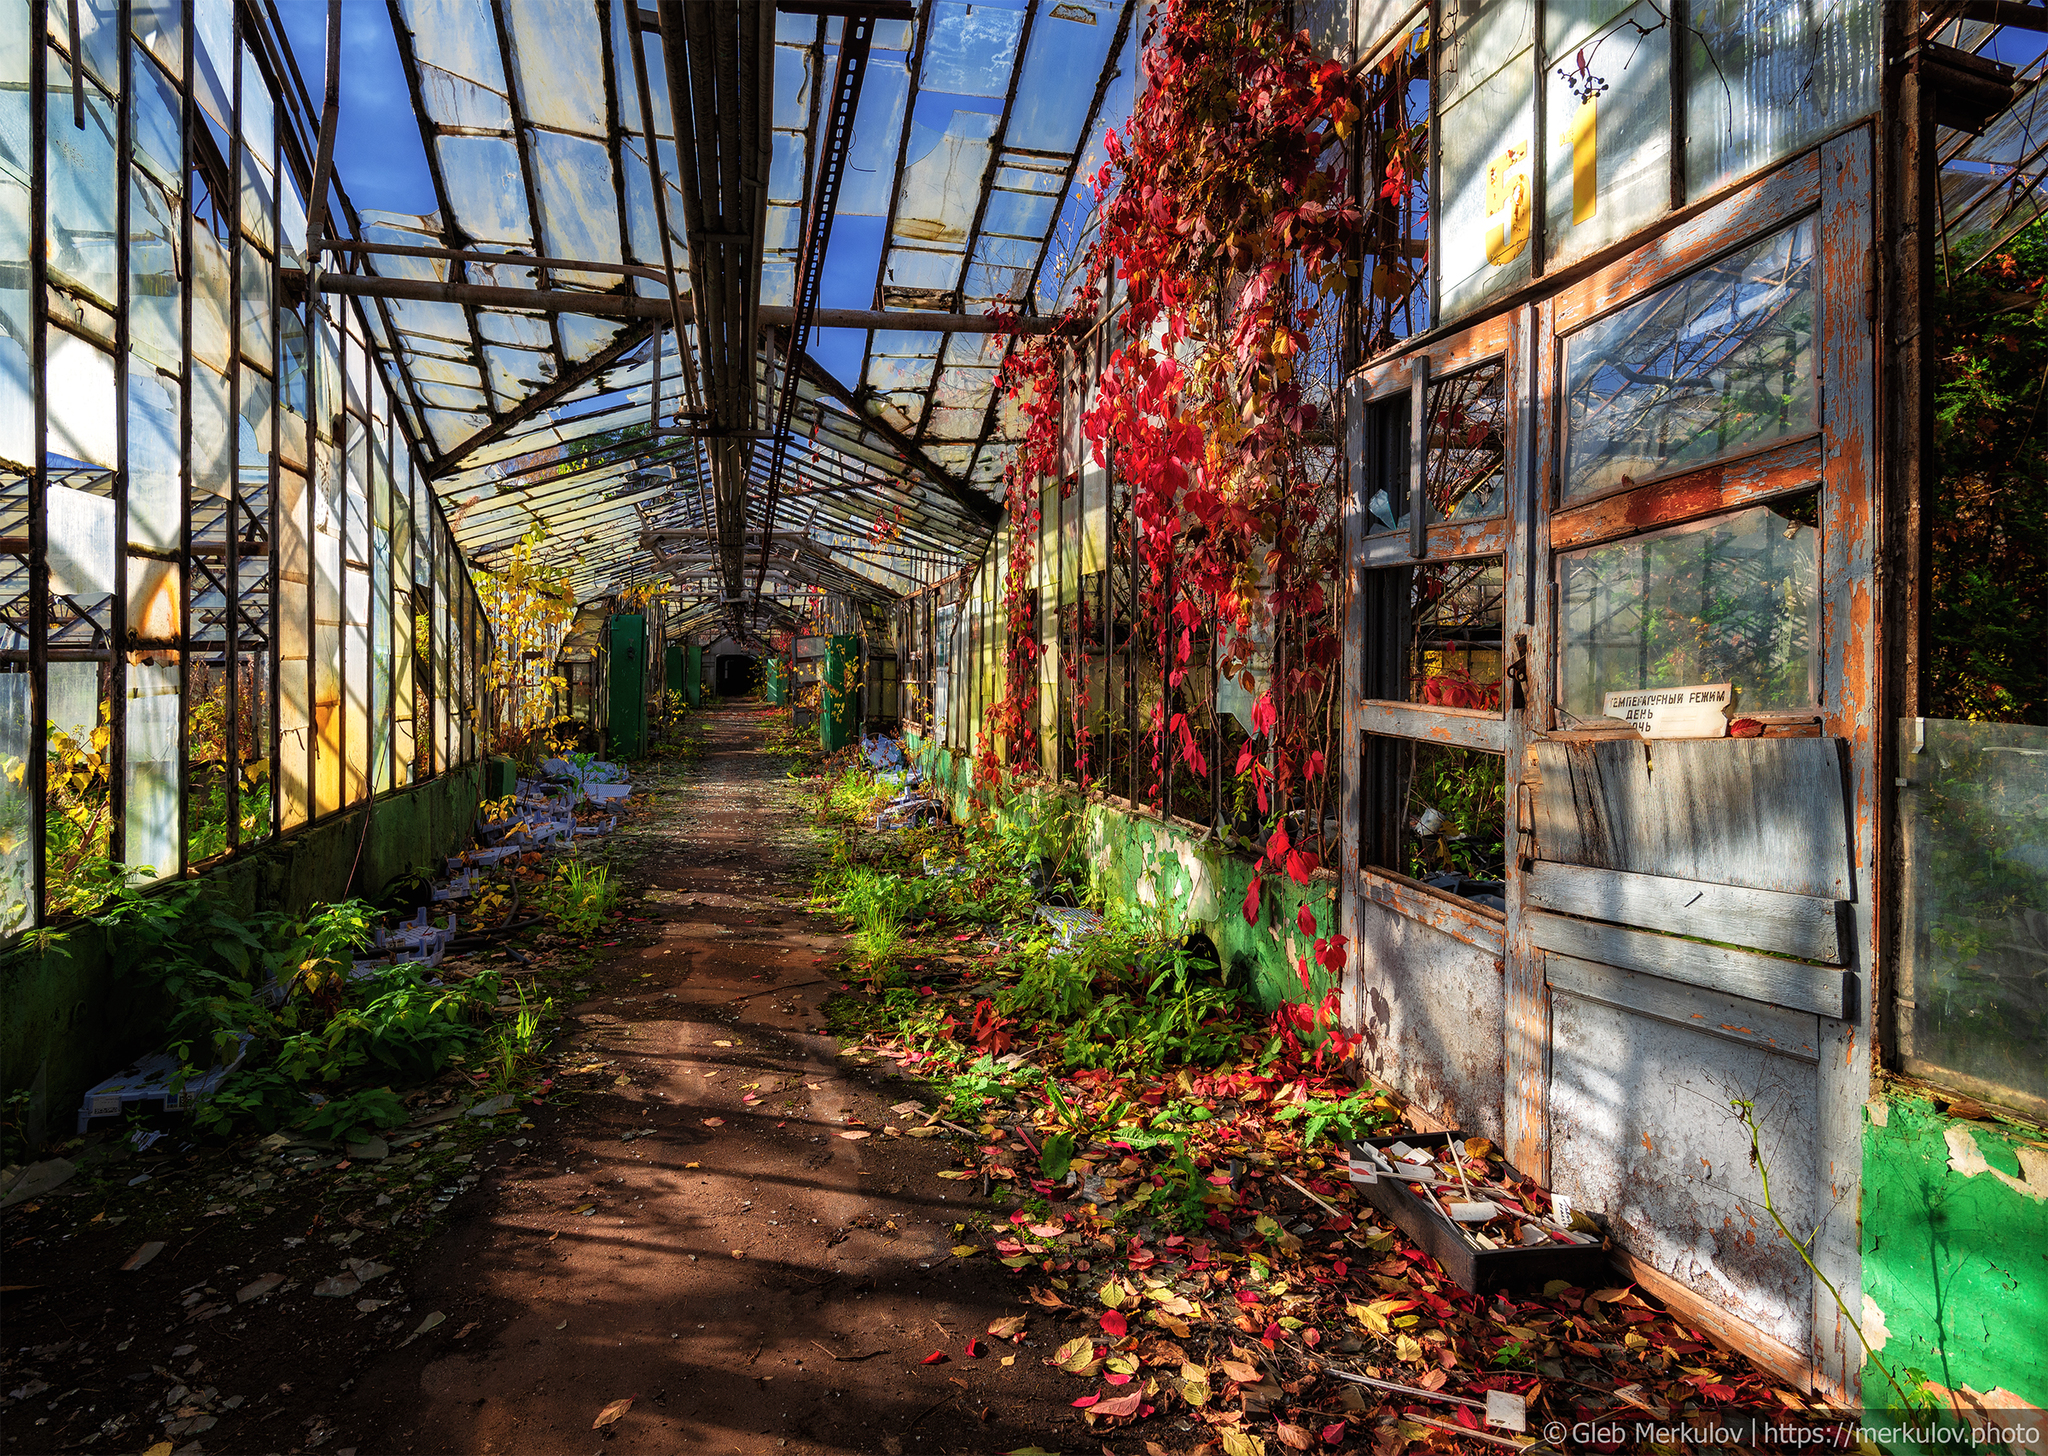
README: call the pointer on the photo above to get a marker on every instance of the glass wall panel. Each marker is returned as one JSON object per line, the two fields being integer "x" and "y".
{"x": 151, "y": 760}
{"x": 1718, "y": 362}
{"x": 1486, "y": 126}
{"x": 1974, "y": 895}
{"x": 1607, "y": 121}
{"x": 1766, "y": 77}
{"x": 1732, "y": 599}
{"x": 294, "y": 649}
{"x": 77, "y": 806}
{"x": 17, "y": 394}
{"x": 17, "y": 716}
{"x": 84, "y": 192}
{"x": 1439, "y": 815}
{"x": 155, "y": 280}
{"x": 1465, "y": 460}
{"x": 380, "y": 618}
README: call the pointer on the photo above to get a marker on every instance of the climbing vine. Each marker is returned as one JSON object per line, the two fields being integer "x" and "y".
{"x": 1228, "y": 233}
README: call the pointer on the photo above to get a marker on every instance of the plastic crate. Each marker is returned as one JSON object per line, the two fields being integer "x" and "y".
{"x": 149, "y": 1081}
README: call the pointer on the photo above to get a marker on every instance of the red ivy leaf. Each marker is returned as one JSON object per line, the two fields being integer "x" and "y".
{"x": 1251, "y": 901}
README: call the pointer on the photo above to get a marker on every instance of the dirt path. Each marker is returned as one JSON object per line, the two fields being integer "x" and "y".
{"x": 701, "y": 1237}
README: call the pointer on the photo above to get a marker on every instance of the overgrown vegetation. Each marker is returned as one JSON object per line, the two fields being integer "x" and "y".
{"x": 321, "y": 1047}
{"x": 1988, "y": 583}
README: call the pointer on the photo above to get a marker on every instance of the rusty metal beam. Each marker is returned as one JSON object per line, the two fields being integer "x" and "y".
{"x": 450, "y": 461}
{"x": 622, "y": 305}
{"x": 984, "y": 510}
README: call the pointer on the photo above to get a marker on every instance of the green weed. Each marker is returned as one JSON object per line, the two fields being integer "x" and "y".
{"x": 580, "y": 896}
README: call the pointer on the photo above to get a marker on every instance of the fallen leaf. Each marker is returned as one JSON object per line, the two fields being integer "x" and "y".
{"x": 1242, "y": 1373}
{"x": 965, "y": 1251}
{"x": 714, "y": 1122}
{"x": 1121, "y": 1407}
{"x": 1077, "y": 1356}
{"x": 612, "y": 1412}
{"x": 722, "y": 1043}
{"x": 854, "y": 1137}
{"x": 1008, "y": 1327}
{"x": 1242, "y": 1443}
{"x": 1114, "y": 1324}
{"x": 937, "y": 1357}
{"x": 1294, "y": 1437}
{"x": 976, "y": 1347}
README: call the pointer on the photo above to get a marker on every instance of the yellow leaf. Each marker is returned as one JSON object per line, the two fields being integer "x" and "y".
{"x": 1407, "y": 1350}
{"x": 965, "y": 1251}
{"x": 1242, "y": 1443}
{"x": 611, "y": 1413}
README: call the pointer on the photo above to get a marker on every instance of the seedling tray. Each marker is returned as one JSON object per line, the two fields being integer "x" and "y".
{"x": 1479, "y": 1270}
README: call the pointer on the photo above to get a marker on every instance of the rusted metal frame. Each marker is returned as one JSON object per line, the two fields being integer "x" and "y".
{"x": 692, "y": 386}
{"x": 330, "y": 116}
{"x": 920, "y": 33}
{"x": 1853, "y": 631}
{"x": 825, "y": 175}
{"x": 543, "y": 399}
{"x": 979, "y": 506}
{"x": 988, "y": 177}
{"x": 1448, "y": 540}
{"x": 2014, "y": 13}
{"x": 1705, "y": 491}
{"x": 414, "y": 83}
{"x": 523, "y": 148}
{"x": 470, "y": 255}
{"x": 116, "y": 685}
{"x": 1109, "y": 71}
{"x": 487, "y": 295}
{"x": 231, "y": 689}
{"x": 1350, "y": 740}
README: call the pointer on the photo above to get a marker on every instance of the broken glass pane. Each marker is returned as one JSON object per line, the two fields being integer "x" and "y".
{"x": 1486, "y": 127}
{"x": 1466, "y": 459}
{"x": 80, "y": 400}
{"x": 877, "y": 132}
{"x": 1068, "y": 46}
{"x": 969, "y": 49}
{"x": 1720, "y": 361}
{"x": 156, "y": 487}
{"x": 150, "y": 765}
{"x": 1733, "y": 599}
{"x": 942, "y": 178}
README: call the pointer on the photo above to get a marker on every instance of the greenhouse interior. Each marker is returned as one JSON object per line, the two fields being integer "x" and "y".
{"x": 1212, "y": 726}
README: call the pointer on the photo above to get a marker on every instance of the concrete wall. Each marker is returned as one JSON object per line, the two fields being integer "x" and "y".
{"x": 69, "y": 1018}
{"x": 1955, "y": 1253}
{"x": 1171, "y": 871}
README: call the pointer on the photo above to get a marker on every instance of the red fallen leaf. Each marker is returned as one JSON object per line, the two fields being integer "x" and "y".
{"x": 1745, "y": 728}
{"x": 1122, "y": 1406}
{"x": 1114, "y": 1323}
{"x": 1333, "y": 1434}
{"x": 976, "y": 1348}
{"x": 937, "y": 1357}
{"x": 1293, "y": 1436}
{"x": 1245, "y": 1296}
{"x": 1086, "y": 1401}
{"x": 1312, "y": 1336}
{"x": 1118, "y": 1379}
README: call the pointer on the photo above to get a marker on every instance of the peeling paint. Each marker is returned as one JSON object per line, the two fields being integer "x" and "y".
{"x": 1965, "y": 1158}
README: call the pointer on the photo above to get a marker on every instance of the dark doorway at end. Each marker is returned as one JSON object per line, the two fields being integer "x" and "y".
{"x": 738, "y": 675}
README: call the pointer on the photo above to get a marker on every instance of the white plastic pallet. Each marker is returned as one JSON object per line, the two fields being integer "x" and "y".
{"x": 149, "y": 1080}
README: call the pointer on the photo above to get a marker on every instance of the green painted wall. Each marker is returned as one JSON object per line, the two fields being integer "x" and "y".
{"x": 771, "y": 680}
{"x": 626, "y": 686}
{"x": 839, "y": 697}
{"x": 672, "y": 668}
{"x": 68, "y": 1018}
{"x": 1955, "y": 1252}
{"x": 1168, "y": 871}
{"x": 693, "y": 675}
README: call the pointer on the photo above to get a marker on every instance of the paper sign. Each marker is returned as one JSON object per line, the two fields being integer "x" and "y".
{"x": 1505, "y": 1408}
{"x": 1699, "y": 710}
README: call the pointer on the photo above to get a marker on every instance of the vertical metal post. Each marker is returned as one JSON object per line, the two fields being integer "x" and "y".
{"x": 39, "y": 474}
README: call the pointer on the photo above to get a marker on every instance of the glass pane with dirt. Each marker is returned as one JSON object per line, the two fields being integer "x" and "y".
{"x": 1973, "y": 948}
{"x": 1433, "y": 634}
{"x": 1717, "y": 363}
{"x": 1733, "y": 599}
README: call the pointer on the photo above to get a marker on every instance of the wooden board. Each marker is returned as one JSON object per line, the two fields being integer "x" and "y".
{"x": 1788, "y": 1033}
{"x": 1764, "y": 813}
{"x": 1793, "y": 925}
{"x": 1768, "y": 979}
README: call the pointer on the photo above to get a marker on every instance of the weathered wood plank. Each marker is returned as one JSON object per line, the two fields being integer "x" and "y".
{"x": 1455, "y": 727}
{"x": 1473, "y": 924}
{"x": 1775, "y": 982}
{"x": 1789, "y": 1033}
{"x": 1721, "y": 1327}
{"x": 1765, "y": 813}
{"x": 1725, "y": 487}
{"x": 1446, "y": 538}
{"x": 1769, "y": 920}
